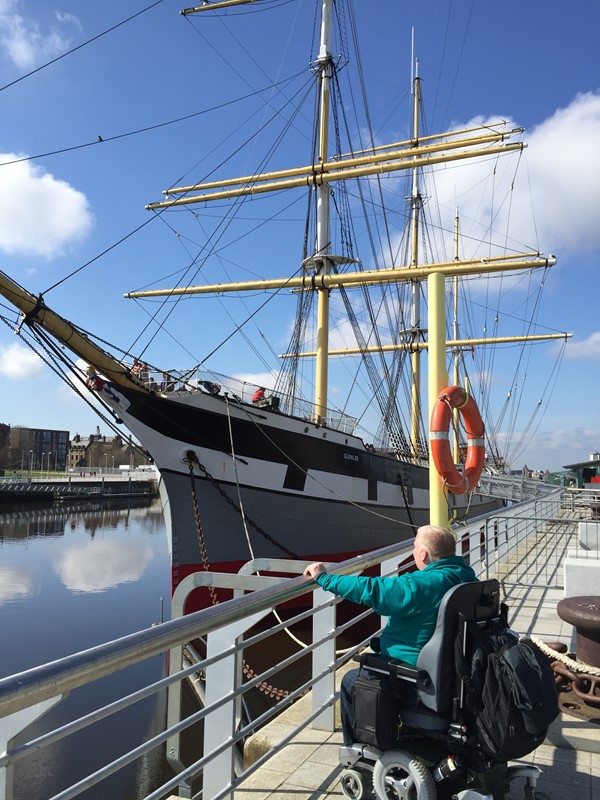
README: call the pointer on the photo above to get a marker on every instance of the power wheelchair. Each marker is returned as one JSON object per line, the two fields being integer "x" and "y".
{"x": 436, "y": 754}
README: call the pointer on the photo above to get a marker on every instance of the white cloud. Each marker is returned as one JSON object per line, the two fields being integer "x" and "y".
{"x": 66, "y": 18}
{"x": 24, "y": 41}
{"x": 15, "y": 582}
{"x": 266, "y": 379}
{"x": 588, "y": 348}
{"x": 18, "y": 362}
{"x": 540, "y": 204}
{"x": 40, "y": 214}
{"x": 565, "y": 175}
{"x": 98, "y": 566}
{"x": 553, "y": 449}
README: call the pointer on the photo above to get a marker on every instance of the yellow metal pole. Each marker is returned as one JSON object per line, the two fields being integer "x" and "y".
{"x": 323, "y": 222}
{"x": 366, "y": 278}
{"x": 456, "y": 350}
{"x": 344, "y": 163}
{"x": 320, "y": 179}
{"x": 438, "y": 507}
{"x": 415, "y": 411}
{"x": 321, "y": 366}
{"x": 390, "y": 348}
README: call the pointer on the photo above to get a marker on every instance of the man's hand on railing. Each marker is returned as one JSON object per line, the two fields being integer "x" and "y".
{"x": 314, "y": 569}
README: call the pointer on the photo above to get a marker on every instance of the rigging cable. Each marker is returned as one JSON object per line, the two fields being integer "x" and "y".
{"x": 555, "y": 371}
{"x": 80, "y": 46}
{"x": 105, "y": 139}
{"x": 367, "y": 357}
{"x": 216, "y": 236}
{"x": 55, "y": 356}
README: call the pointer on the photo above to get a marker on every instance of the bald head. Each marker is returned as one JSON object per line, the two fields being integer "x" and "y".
{"x": 439, "y": 542}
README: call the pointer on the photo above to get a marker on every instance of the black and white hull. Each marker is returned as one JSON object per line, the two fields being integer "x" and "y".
{"x": 306, "y": 491}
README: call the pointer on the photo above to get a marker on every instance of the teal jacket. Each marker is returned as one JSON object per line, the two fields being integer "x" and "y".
{"x": 411, "y": 602}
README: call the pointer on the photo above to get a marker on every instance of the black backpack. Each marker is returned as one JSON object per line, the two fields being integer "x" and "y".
{"x": 511, "y": 695}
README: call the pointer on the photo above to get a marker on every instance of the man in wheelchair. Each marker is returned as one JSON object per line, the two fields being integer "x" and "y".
{"x": 405, "y": 721}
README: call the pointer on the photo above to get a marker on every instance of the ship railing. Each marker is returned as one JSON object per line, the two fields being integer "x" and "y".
{"x": 486, "y": 543}
{"x": 181, "y": 382}
{"x": 223, "y": 627}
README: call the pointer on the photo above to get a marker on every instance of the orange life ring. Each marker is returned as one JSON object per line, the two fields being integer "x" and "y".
{"x": 454, "y": 397}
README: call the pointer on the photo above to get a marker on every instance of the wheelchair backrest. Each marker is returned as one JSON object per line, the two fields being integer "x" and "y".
{"x": 476, "y": 601}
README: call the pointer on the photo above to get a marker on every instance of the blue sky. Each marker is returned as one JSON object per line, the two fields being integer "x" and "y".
{"x": 534, "y": 63}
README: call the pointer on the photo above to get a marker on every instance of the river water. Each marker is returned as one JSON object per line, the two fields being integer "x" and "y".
{"x": 71, "y": 579}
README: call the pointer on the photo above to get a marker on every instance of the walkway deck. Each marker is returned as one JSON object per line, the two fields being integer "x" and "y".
{"x": 307, "y": 769}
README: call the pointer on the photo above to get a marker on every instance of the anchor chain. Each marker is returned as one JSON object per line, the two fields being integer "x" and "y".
{"x": 263, "y": 686}
{"x": 200, "y": 535}
{"x": 585, "y": 686}
{"x": 191, "y": 459}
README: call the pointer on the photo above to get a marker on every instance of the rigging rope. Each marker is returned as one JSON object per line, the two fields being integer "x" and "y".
{"x": 263, "y": 686}
{"x": 57, "y": 362}
{"x": 80, "y": 46}
{"x": 243, "y": 515}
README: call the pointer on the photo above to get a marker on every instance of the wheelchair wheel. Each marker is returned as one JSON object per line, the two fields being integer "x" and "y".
{"x": 353, "y": 784}
{"x": 398, "y": 775}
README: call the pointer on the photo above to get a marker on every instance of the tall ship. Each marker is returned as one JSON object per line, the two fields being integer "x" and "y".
{"x": 319, "y": 451}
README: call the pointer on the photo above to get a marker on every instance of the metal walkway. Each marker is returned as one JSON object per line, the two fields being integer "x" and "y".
{"x": 307, "y": 769}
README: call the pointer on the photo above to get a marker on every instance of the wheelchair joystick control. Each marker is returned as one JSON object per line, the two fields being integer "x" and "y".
{"x": 447, "y": 767}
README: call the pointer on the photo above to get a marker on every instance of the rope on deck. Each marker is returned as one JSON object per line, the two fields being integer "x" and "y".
{"x": 575, "y": 666}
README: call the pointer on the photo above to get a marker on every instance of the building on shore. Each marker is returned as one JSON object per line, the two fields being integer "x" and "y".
{"x": 27, "y": 450}
{"x": 36, "y": 449}
{"x": 99, "y": 453}
{"x": 586, "y": 473}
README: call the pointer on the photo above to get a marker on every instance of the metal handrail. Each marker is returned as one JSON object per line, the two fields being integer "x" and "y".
{"x": 44, "y": 682}
{"x": 50, "y": 681}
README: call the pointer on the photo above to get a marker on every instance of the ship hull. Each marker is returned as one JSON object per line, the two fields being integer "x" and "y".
{"x": 306, "y": 491}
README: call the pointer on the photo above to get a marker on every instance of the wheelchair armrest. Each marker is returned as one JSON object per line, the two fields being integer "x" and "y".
{"x": 380, "y": 665}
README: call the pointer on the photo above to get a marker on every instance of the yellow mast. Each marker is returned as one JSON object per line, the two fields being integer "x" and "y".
{"x": 456, "y": 349}
{"x": 437, "y": 380}
{"x": 389, "y": 152}
{"x": 211, "y": 6}
{"x": 337, "y": 171}
{"x": 454, "y": 343}
{"x": 475, "y": 266}
{"x": 35, "y": 311}
{"x": 415, "y": 203}
{"x": 323, "y": 220}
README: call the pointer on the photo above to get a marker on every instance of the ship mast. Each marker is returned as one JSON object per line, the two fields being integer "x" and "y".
{"x": 322, "y": 265}
{"x": 415, "y": 322}
{"x": 457, "y": 350}
{"x": 320, "y": 274}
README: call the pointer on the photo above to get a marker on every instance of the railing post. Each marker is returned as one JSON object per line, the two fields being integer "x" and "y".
{"x": 13, "y": 726}
{"x": 222, "y": 679}
{"x": 323, "y": 658}
{"x": 486, "y": 548}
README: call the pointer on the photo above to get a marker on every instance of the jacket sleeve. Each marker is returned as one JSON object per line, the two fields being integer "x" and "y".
{"x": 384, "y": 595}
